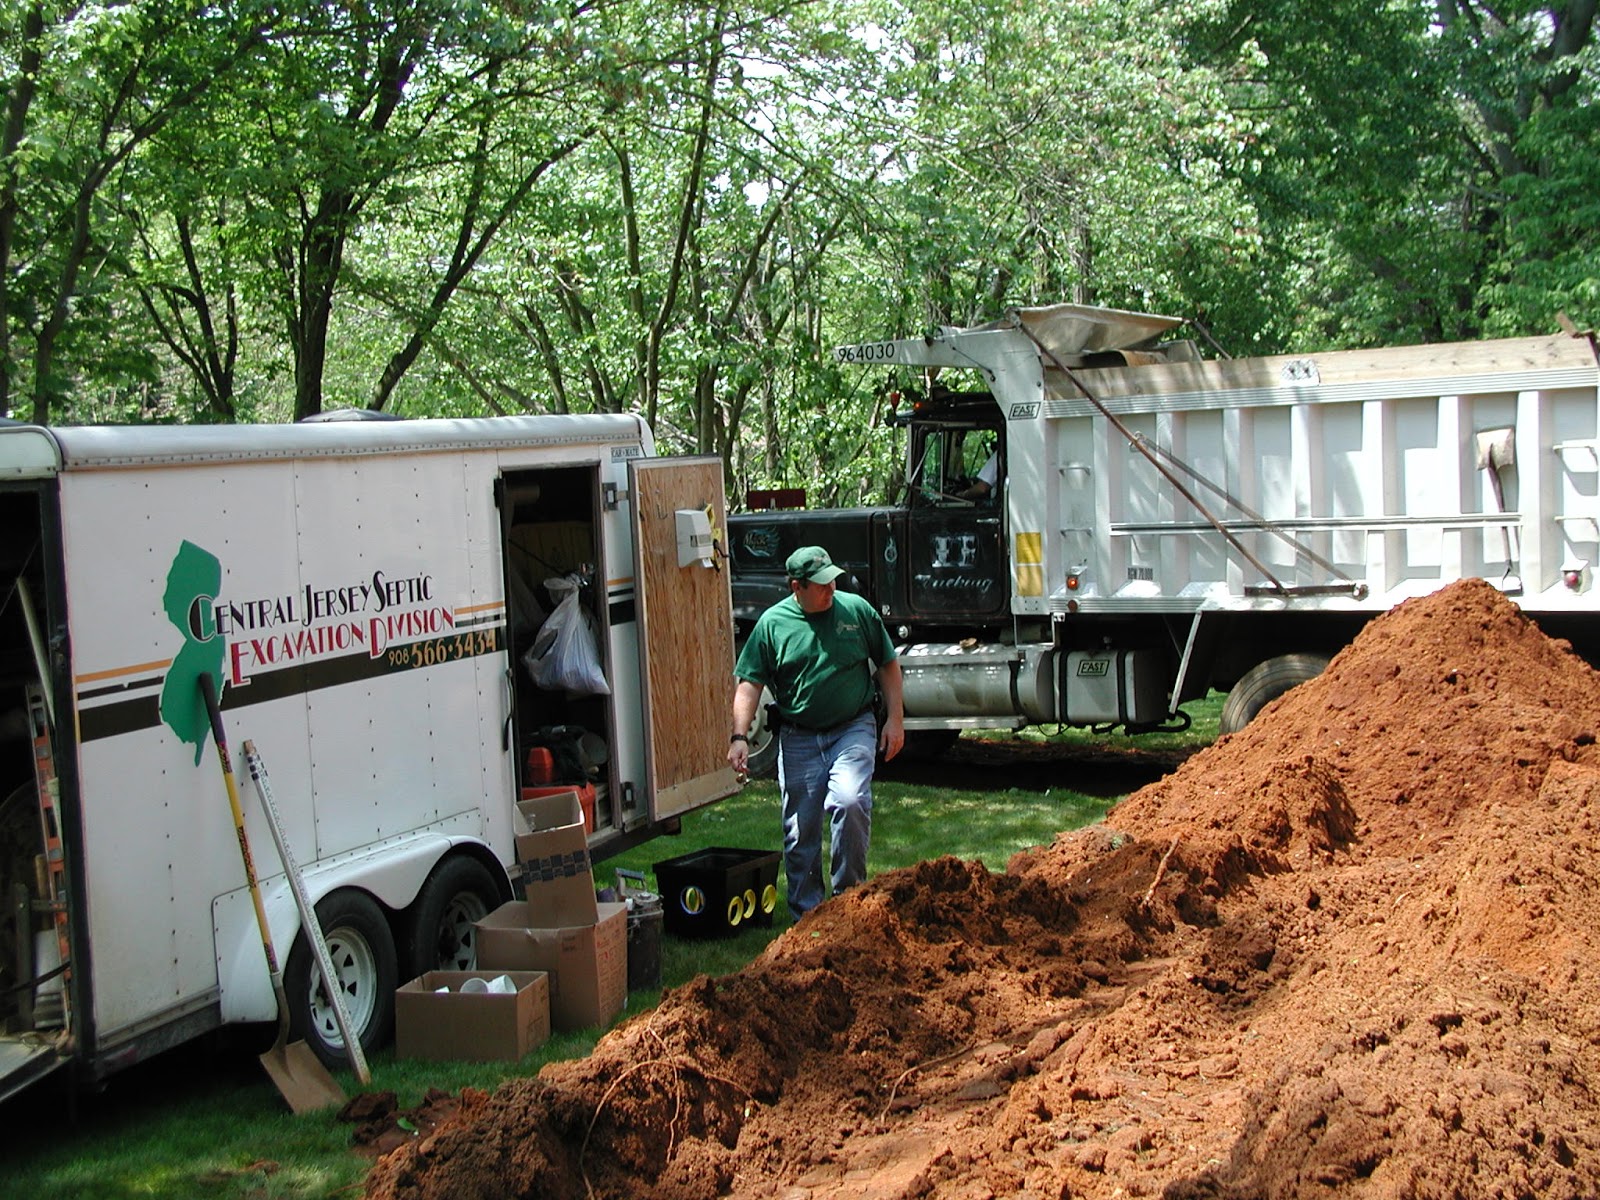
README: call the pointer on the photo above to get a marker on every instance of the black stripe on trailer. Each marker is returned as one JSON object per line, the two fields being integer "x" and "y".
{"x": 144, "y": 712}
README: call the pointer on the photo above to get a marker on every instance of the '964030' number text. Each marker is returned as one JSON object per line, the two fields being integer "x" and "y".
{"x": 866, "y": 353}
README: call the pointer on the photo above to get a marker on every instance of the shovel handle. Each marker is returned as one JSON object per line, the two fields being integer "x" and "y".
{"x": 208, "y": 689}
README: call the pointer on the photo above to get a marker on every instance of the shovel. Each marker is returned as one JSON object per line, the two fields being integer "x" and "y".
{"x": 296, "y": 1072}
{"x": 1496, "y": 450}
{"x": 308, "y": 915}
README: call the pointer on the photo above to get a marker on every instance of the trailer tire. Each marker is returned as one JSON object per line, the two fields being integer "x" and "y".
{"x": 443, "y": 934}
{"x": 1264, "y": 683}
{"x": 361, "y": 945}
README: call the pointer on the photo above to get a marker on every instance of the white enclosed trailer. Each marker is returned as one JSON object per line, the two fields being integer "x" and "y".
{"x": 1165, "y": 524}
{"x": 364, "y": 591}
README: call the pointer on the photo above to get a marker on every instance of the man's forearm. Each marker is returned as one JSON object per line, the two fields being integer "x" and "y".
{"x": 746, "y": 699}
{"x": 890, "y": 682}
{"x": 893, "y": 735}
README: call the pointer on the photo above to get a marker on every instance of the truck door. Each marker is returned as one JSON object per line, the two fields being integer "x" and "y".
{"x": 685, "y": 629}
{"x": 955, "y": 551}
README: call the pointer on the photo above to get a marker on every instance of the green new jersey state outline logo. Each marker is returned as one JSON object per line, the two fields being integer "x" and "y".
{"x": 193, "y": 581}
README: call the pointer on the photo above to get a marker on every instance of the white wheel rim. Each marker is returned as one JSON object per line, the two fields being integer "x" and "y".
{"x": 355, "y": 967}
{"x": 458, "y": 929}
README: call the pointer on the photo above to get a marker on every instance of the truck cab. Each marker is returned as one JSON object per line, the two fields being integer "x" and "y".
{"x": 933, "y": 564}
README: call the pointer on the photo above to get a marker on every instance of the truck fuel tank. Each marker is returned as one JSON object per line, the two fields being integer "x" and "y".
{"x": 954, "y": 679}
{"x": 1113, "y": 687}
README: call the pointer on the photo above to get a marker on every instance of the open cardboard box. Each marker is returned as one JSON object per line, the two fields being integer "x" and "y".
{"x": 557, "y": 877}
{"x": 471, "y": 1026}
{"x": 588, "y": 964}
{"x": 584, "y": 792}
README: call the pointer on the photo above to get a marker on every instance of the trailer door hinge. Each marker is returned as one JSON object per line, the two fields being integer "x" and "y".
{"x": 612, "y": 496}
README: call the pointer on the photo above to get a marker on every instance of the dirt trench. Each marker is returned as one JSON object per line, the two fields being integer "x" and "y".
{"x": 1350, "y": 951}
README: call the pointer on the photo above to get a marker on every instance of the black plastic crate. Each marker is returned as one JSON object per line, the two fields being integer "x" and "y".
{"x": 717, "y": 891}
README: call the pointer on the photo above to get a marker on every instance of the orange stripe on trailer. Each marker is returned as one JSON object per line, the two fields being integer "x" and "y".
{"x": 115, "y": 672}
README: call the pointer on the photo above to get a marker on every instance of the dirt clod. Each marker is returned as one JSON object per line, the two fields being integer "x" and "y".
{"x": 382, "y": 1126}
{"x": 1348, "y": 951}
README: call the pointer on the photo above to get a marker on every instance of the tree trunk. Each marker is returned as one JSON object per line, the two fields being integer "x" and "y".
{"x": 319, "y": 265}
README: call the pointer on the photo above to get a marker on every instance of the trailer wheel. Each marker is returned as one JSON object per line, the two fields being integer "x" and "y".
{"x": 1264, "y": 683}
{"x": 444, "y": 936}
{"x": 362, "y": 949}
{"x": 763, "y": 760}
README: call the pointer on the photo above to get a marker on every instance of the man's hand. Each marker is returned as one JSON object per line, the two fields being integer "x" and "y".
{"x": 892, "y": 738}
{"x": 746, "y": 699}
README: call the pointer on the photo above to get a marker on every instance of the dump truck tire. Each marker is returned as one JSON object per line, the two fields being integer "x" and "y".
{"x": 763, "y": 760}
{"x": 1264, "y": 683}
{"x": 923, "y": 745}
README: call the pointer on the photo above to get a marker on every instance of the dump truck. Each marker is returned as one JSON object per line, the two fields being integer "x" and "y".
{"x": 1163, "y": 524}
{"x": 376, "y": 604}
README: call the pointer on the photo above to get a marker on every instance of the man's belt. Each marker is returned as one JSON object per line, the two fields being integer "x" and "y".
{"x": 791, "y": 723}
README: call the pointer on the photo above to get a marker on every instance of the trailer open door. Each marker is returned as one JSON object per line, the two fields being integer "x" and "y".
{"x": 39, "y": 1028}
{"x": 37, "y": 1019}
{"x": 685, "y": 630}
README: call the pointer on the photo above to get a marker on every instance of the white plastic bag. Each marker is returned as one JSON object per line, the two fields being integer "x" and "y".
{"x": 564, "y": 655}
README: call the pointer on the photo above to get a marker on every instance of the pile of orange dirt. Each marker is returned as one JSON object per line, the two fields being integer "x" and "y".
{"x": 1349, "y": 951}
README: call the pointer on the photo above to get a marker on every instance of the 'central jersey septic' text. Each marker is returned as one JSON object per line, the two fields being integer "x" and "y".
{"x": 278, "y": 631}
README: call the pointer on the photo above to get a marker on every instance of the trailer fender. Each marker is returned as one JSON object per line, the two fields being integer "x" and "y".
{"x": 392, "y": 874}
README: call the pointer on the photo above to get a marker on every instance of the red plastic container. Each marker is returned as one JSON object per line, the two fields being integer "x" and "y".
{"x": 541, "y": 767}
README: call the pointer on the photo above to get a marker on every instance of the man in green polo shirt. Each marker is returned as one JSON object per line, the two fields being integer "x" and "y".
{"x": 816, "y": 650}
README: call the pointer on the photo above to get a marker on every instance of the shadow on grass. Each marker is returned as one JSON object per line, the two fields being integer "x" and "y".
{"x": 980, "y": 766}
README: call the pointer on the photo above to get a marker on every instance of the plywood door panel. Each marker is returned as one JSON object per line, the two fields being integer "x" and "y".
{"x": 686, "y": 642}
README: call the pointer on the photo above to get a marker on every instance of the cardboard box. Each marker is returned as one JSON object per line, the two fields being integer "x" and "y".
{"x": 588, "y": 964}
{"x": 585, "y": 793}
{"x": 557, "y": 877}
{"x": 474, "y": 1026}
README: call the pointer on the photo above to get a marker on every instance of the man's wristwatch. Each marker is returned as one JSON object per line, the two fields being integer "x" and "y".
{"x": 739, "y": 737}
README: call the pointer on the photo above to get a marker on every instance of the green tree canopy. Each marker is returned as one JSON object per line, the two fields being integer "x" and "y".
{"x": 248, "y": 211}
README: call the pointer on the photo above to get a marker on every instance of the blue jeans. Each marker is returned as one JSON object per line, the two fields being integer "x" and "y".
{"x": 829, "y": 772}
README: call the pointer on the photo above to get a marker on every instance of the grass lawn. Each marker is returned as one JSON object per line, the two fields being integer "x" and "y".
{"x": 204, "y": 1122}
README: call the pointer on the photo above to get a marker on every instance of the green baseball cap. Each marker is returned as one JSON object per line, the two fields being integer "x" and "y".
{"x": 812, "y": 564}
